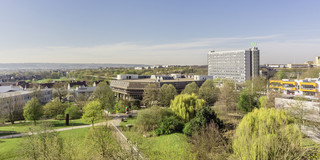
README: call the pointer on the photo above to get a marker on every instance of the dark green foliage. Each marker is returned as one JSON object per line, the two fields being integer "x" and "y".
{"x": 247, "y": 102}
{"x": 54, "y": 108}
{"x": 170, "y": 125}
{"x": 150, "y": 95}
{"x": 166, "y": 94}
{"x": 191, "y": 88}
{"x": 73, "y": 112}
{"x": 204, "y": 116}
{"x": 209, "y": 92}
{"x": 104, "y": 95}
{"x": 33, "y": 110}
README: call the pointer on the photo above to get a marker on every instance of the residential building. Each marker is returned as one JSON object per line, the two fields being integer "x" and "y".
{"x": 238, "y": 65}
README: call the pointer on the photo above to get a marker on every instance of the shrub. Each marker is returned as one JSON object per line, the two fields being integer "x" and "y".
{"x": 149, "y": 119}
{"x": 204, "y": 116}
{"x": 73, "y": 112}
{"x": 170, "y": 125}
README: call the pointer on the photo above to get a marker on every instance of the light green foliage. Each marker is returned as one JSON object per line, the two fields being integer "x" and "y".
{"x": 186, "y": 105}
{"x": 256, "y": 86}
{"x": 262, "y": 101}
{"x": 191, "y": 88}
{"x": 150, "y": 95}
{"x": 149, "y": 119}
{"x": 33, "y": 110}
{"x": 101, "y": 144}
{"x": 267, "y": 134}
{"x": 209, "y": 92}
{"x": 166, "y": 94}
{"x": 121, "y": 105}
{"x": 104, "y": 95}
{"x": 54, "y": 108}
{"x": 73, "y": 112}
{"x": 47, "y": 145}
{"x": 92, "y": 111}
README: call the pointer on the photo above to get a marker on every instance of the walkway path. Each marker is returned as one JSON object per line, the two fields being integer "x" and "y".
{"x": 54, "y": 130}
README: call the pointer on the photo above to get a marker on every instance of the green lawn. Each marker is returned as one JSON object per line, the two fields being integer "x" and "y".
{"x": 9, "y": 148}
{"x": 21, "y": 127}
{"x": 173, "y": 146}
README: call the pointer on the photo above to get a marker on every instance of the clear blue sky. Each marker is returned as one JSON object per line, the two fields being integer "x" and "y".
{"x": 156, "y": 32}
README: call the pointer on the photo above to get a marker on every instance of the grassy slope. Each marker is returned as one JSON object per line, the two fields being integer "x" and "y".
{"x": 9, "y": 148}
{"x": 173, "y": 146}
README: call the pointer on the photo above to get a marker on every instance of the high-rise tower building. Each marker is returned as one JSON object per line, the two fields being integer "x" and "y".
{"x": 238, "y": 65}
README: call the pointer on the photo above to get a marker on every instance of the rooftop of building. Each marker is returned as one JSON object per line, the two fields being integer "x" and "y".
{"x": 153, "y": 80}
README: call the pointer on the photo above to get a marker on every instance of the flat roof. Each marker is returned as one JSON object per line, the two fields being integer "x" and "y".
{"x": 153, "y": 80}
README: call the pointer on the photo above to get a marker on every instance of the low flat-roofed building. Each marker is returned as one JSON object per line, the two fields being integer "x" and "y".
{"x": 298, "y": 65}
{"x": 133, "y": 89}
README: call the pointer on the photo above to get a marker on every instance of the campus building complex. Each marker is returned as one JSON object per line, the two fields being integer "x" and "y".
{"x": 303, "y": 87}
{"x": 131, "y": 87}
{"x": 238, "y": 65}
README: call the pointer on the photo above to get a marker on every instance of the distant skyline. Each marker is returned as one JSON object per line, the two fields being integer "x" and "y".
{"x": 156, "y": 32}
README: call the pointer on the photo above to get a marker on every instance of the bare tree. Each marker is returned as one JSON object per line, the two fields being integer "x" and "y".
{"x": 59, "y": 90}
{"x": 12, "y": 107}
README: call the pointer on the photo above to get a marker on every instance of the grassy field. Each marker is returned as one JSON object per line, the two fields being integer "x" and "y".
{"x": 9, "y": 148}
{"x": 22, "y": 126}
{"x": 172, "y": 146}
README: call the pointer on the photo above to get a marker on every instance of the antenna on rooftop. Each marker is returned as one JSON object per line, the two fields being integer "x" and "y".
{"x": 253, "y": 44}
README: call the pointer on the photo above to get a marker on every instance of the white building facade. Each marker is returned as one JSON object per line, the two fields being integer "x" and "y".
{"x": 237, "y": 65}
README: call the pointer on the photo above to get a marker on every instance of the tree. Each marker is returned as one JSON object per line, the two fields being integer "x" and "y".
{"x": 104, "y": 95}
{"x": 203, "y": 117}
{"x": 191, "y": 88}
{"x": 55, "y": 108}
{"x": 166, "y": 94}
{"x": 228, "y": 96}
{"x": 12, "y": 108}
{"x": 209, "y": 143}
{"x": 73, "y": 112}
{"x": 246, "y": 102}
{"x": 150, "y": 95}
{"x": 186, "y": 105}
{"x": 267, "y": 134}
{"x": 92, "y": 111}
{"x": 209, "y": 92}
{"x": 33, "y": 110}
{"x": 298, "y": 110}
{"x": 59, "y": 90}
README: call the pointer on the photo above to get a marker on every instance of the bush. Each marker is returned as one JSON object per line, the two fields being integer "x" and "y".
{"x": 149, "y": 119}
{"x": 73, "y": 112}
{"x": 170, "y": 125}
{"x": 204, "y": 116}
